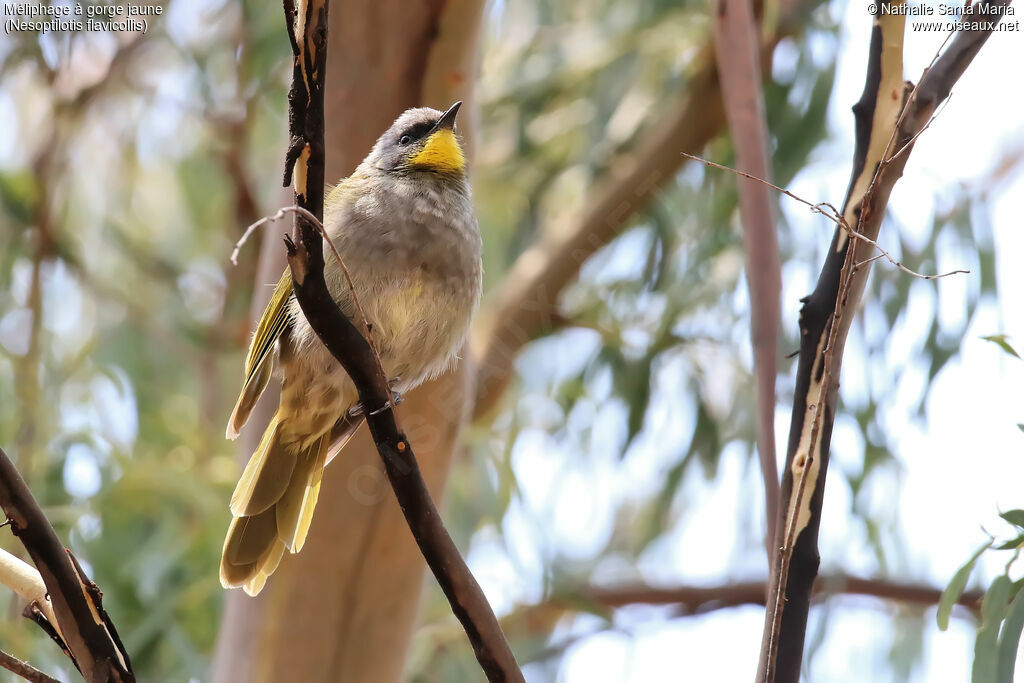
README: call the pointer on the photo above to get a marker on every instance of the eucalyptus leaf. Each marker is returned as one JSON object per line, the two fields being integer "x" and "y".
{"x": 1001, "y": 341}
{"x": 956, "y": 587}
{"x": 1011, "y": 544}
{"x": 993, "y": 606}
{"x": 1009, "y": 638}
{"x": 1014, "y": 517}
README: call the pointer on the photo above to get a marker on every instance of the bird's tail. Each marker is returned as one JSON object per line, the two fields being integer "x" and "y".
{"x": 272, "y": 506}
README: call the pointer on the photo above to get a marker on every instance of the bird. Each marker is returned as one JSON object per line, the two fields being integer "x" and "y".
{"x": 405, "y": 227}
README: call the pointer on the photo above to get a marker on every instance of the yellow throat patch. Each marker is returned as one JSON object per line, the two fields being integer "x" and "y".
{"x": 440, "y": 153}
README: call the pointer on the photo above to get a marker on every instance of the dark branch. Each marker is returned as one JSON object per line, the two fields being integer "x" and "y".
{"x": 351, "y": 349}
{"x": 93, "y": 643}
{"x": 828, "y": 313}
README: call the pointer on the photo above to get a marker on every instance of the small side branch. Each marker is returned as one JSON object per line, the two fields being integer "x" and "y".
{"x": 832, "y": 214}
{"x": 24, "y": 669}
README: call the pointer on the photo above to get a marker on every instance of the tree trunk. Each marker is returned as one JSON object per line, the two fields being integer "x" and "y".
{"x": 344, "y": 609}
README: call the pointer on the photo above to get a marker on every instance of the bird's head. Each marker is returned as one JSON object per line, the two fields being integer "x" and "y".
{"x": 421, "y": 139}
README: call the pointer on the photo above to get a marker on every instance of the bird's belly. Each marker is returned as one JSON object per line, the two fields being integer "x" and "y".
{"x": 417, "y": 326}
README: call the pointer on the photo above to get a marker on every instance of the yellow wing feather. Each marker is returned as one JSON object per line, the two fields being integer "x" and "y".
{"x": 259, "y": 361}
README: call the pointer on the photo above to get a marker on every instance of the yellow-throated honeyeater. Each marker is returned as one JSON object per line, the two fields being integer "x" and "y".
{"x": 405, "y": 226}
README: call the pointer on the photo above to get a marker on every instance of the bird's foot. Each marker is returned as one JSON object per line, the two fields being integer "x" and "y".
{"x": 396, "y": 398}
{"x": 357, "y": 409}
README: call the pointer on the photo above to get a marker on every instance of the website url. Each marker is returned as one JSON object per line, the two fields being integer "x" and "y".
{"x": 994, "y": 26}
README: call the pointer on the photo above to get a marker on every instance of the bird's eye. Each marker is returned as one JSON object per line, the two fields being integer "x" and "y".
{"x": 405, "y": 140}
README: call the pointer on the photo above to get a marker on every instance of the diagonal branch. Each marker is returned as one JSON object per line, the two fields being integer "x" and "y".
{"x": 888, "y": 124}
{"x": 307, "y": 25}
{"x": 740, "y": 73}
{"x": 86, "y": 629}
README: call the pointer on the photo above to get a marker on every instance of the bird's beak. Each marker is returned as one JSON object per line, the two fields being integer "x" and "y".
{"x": 441, "y": 151}
{"x": 447, "y": 119}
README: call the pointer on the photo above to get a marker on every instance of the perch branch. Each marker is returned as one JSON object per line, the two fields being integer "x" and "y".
{"x": 307, "y": 24}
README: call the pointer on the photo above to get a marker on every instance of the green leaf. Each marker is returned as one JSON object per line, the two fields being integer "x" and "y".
{"x": 956, "y": 587}
{"x": 1009, "y": 639}
{"x": 662, "y": 503}
{"x": 1020, "y": 426}
{"x": 1014, "y": 517}
{"x": 1011, "y": 544}
{"x": 707, "y": 440}
{"x": 993, "y": 606}
{"x": 1000, "y": 339}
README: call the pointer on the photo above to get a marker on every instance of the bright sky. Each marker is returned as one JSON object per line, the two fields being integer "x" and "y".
{"x": 959, "y": 468}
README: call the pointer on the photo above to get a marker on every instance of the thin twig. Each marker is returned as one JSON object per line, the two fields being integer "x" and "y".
{"x": 832, "y": 215}
{"x": 912, "y": 140}
{"x": 270, "y": 219}
{"x": 305, "y": 213}
{"x": 906, "y": 108}
{"x": 24, "y": 669}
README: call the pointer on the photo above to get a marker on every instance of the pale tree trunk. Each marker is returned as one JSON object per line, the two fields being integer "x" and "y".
{"x": 345, "y": 608}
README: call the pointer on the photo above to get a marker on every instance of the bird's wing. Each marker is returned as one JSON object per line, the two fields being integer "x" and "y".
{"x": 342, "y": 432}
{"x": 259, "y": 363}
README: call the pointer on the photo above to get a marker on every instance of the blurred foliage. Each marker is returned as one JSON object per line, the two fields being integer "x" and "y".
{"x": 127, "y": 161}
{"x": 128, "y": 167}
{"x": 1002, "y": 608}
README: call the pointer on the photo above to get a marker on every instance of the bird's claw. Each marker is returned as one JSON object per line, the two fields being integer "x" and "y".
{"x": 396, "y": 399}
{"x": 357, "y": 409}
